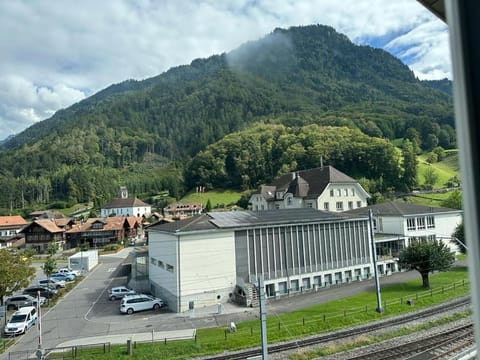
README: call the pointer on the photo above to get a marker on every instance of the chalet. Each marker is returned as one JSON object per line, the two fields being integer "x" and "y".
{"x": 179, "y": 209}
{"x": 323, "y": 188}
{"x": 10, "y": 227}
{"x": 39, "y": 234}
{"x": 126, "y": 206}
{"x": 101, "y": 231}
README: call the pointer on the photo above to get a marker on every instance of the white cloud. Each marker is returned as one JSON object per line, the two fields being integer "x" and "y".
{"x": 54, "y": 53}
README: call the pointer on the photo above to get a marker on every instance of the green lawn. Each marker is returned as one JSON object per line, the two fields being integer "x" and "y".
{"x": 219, "y": 199}
{"x": 445, "y": 169}
{"x": 325, "y": 317}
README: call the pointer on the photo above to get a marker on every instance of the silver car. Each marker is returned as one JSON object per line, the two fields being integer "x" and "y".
{"x": 119, "y": 292}
{"x": 18, "y": 301}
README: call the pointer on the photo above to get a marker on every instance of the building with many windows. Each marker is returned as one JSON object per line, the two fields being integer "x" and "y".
{"x": 397, "y": 223}
{"x": 218, "y": 256}
{"x": 323, "y": 188}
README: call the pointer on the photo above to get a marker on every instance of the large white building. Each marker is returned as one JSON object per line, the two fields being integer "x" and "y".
{"x": 210, "y": 258}
{"x": 126, "y": 206}
{"x": 323, "y": 188}
{"x": 396, "y": 224}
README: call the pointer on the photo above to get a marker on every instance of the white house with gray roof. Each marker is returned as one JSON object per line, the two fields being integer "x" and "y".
{"x": 323, "y": 188}
{"x": 126, "y": 206}
{"x": 398, "y": 223}
{"x": 215, "y": 257}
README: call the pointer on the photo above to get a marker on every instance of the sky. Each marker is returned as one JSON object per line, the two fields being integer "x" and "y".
{"x": 54, "y": 53}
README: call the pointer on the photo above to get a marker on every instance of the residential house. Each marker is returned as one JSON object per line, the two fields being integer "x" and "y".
{"x": 295, "y": 250}
{"x": 126, "y": 206}
{"x": 396, "y": 224}
{"x": 39, "y": 234}
{"x": 97, "y": 232}
{"x": 323, "y": 188}
{"x": 10, "y": 227}
{"x": 179, "y": 209}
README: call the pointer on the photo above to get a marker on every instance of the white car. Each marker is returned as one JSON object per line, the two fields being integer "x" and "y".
{"x": 69, "y": 271}
{"x": 52, "y": 282}
{"x": 140, "y": 302}
{"x": 21, "y": 321}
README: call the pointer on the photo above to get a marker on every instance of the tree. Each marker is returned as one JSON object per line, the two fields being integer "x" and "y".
{"x": 50, "y": 264}
{"x": 409, "y": 165}
{"x": 208, "y": 206}
{"x": 431, "y": 177}
{"x": 454, "y": 200}
{"x": 16, "y": 272}
{"x": 426, "y": 257}
{"x": 459, "y": 238}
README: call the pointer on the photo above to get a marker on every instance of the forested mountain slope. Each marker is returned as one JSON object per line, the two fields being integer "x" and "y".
{"x": 131, "y": 132}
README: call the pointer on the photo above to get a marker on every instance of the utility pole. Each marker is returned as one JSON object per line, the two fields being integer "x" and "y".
{"x": 263, "y": 318}
{"x": 374, "y": 256}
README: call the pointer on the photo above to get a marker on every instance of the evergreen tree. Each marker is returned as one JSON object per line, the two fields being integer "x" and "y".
{"x": 409, "y": 166}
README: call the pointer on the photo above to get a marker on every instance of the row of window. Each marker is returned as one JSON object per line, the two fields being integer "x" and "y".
{"x": 421, "y": 223}
{"x": 344, "y": 191}
{"x": 339, "y": 205}
{"x": 161, "y": 264}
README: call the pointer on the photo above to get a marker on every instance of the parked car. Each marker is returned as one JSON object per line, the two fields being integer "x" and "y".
{"x": 63, "y": 277}
{"x": 69, "y": 271}
{"x": 45, "y": 291}
{"x": 119, "y": 292}
{"x": 53, "y": 282}
{"x": 21, "y": 321}
{"x": 140, "y": 302}
{"x": 18, "y": 301}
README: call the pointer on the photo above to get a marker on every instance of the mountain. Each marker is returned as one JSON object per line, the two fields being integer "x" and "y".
{"x": 444, "y": 85}
{"x": 142, "y": 133}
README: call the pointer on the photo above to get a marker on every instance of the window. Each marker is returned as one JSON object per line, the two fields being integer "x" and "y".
{"x": 170, "y": 268}
{"x": 350, "y": 205}
{"x": 289, "y": 200}
{"x": 345, "y": 192}
{"x": 374, "y": 224}
{"x": 332, "y": 193}
{"x": 160, "y": 264}
{"x": 339, "y": 205}
{"x": 325, "y": 206}
{"x": 153, "y": 261}
{"x": 339, "y": 192}
{"x": 411, "y": 224}
{"x": 420, "y": 223}
{"x": 309, "y": 205}
{"x": 352, "y": 191}
{"x": 359, "y": 204}
{"x": 430, "y": 222}
{"x": 277, "y": 206}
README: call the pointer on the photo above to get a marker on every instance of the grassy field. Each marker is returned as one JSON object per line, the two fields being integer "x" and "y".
{"x": 325, "y": 317}
{"x": 219, "y": 199}
{"x": 445, "y": 169}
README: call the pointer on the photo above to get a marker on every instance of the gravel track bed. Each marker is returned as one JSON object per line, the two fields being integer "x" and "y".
{"x": 384, "y": 344}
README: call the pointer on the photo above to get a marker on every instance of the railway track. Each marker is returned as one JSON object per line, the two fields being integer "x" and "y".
{"x": 433, "y": 347}
{"x": 356, "y": 331}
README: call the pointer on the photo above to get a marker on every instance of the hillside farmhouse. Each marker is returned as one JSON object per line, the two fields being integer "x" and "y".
{"x": 211, "y": 258}
{"x": 126, "y": 206}
{"x": 323, "y": 188}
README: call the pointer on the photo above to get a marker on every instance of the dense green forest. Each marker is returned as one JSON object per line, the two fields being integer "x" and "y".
{"x": 292, "y": 87}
